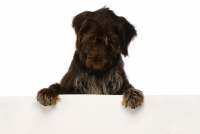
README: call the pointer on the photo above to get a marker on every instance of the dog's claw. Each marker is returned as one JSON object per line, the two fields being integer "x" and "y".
{"x": 133, "y": 107}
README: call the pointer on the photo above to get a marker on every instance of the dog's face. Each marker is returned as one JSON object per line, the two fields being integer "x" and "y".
{"x": 101, "y": 36}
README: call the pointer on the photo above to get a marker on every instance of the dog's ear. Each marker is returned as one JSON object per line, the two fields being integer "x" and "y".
{"x": 126, "y": 33}
{"x": 79, "y": 20}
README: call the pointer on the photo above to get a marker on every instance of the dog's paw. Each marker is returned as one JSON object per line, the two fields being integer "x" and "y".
{"x": 47, "y": 97}
{"x": 132, "y": 98}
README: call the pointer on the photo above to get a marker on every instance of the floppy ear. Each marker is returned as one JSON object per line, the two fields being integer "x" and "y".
{"x": 78, "y": 21}
{"x": 126, "y": 33}
{"x": 80, "y": 24}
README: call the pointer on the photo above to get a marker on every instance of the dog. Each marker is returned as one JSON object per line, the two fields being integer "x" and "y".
{"x": 97, "y": 65}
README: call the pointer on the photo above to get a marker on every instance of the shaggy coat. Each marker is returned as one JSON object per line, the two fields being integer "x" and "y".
{"x": 97, "y": 65}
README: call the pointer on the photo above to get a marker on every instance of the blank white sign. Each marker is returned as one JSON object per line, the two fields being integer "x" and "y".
{"x": 100, "y": 114}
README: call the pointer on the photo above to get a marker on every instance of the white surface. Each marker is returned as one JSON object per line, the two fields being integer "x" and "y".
{"x": 37, "y": 43}
{"x": 93, "y": 114}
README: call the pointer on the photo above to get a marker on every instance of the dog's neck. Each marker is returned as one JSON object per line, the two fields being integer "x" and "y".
{"x": 108, "y": 82}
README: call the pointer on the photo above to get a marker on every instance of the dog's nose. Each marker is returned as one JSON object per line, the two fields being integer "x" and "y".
{"x": 97, "y": 67}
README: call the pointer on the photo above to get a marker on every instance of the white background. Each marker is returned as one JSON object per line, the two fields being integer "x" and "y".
{"x": 37, "y": 43}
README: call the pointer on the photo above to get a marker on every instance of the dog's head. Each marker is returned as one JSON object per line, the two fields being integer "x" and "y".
{"x": 101, "y": 36}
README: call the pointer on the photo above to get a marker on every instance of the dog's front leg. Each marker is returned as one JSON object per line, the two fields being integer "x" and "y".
{"x": 49, "y": 96}
{"x": 131, "y": 96}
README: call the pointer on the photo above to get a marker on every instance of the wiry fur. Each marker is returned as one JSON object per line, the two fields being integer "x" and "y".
{"x": 109, "y": 83}
{"x": 97, "y": 65}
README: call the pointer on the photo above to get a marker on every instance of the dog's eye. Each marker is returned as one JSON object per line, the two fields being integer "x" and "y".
{"x": 90, "y": 55}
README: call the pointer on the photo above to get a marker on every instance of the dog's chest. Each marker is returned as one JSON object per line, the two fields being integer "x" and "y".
{"x": 108, "y": 83}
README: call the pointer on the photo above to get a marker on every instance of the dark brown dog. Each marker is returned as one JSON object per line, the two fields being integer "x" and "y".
{"x": 97, "y": 66}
